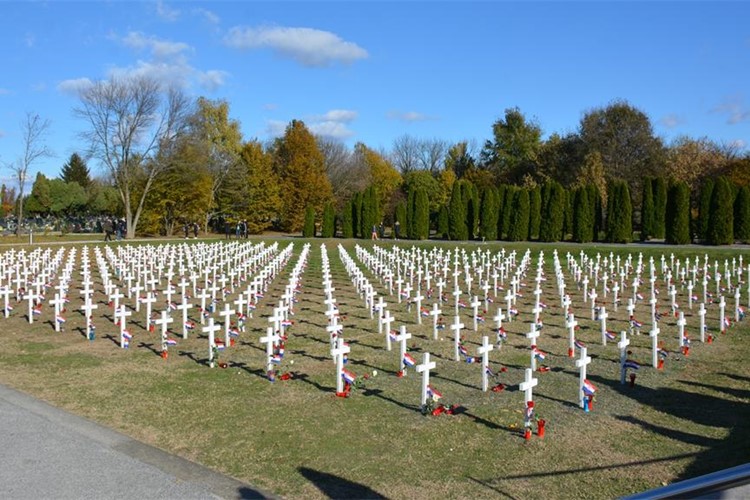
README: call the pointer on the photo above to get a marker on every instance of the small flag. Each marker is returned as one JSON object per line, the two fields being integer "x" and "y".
{"x": 170, "y": 342}
{"x": 489, "y": 371}
{"x": 462, "y": 350}
{"x": 60, "y": 319}
{"x": 219, "y": 344}
{"x": 126, "y": 335}
{"x": 433, "y": 393}
{"x": 425, "y": 312}
{"x": 392, "y": 335}
{"x": 588, "y": 388}
{"x": 663, "y": 353}
{"x": 348, "y": 376}
{"x": 639, "y": 296}
{"x": 461, "y": 304}
{"x": 635, "y": 323}
{"x": 172, "y": 306}
{"x": 189, "y": 325}
{"x": 276, "y": 359}
{"x": 542, "y": 305}
{"x": 579, "y": 344}
{"x": 629, "y": 363}
{"x": 727, "y": 323}
{"x": 694, "y": 297}
{"x": 36, "y": 312}
{"x": 513, "y": 311}
{"x": 409, "y": 360}
{"x": 480, "y": 318}
{"x": 287, "y": 322}
{"x": 610, "y": 335}
{"x": 539, "y": 354}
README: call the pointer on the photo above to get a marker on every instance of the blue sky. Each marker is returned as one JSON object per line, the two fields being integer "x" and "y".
{"x": 373, "y": 71}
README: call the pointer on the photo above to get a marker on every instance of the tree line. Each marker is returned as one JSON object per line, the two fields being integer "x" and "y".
{"x": 169, "y": 160}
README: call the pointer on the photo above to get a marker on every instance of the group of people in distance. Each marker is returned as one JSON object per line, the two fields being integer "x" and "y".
{"x": 114, "y": 227}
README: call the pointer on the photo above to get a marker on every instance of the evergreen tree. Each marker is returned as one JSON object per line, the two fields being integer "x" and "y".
{"x": 742, "y": 215}
{"x": 519, "y": 226}
{"x": 421, "y": 215}
{"x": 442, "y": 222}
{"x": 583, "y": 216}
{"x": 457, "y": 229}
{"x": 619, "y": 213}
{"x": 308, "y": 230}
{"x": 510, "y": 197}
{"x": 488, "y": 214}
{"x": 411, "y": 232}
{"x": 568, "y": 216}
{"x": 76, "y": 171}
{"x": 659, "y": 187}
{"x": 356, "y": 215}
{"x": 678, "y": 214}
{"x": 721, "y": 215}
{"x": 347, "y": 230}
{"x": 553, "y": 215}
{"x": 535, "y": 211}
{"x": 500, "y": 204}
{"x": 647, "y": 210}
{"x": 704, "y": 207}
{"x": 328, "y": 227}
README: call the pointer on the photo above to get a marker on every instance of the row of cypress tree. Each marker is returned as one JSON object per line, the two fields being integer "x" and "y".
{"x": 552, "y": 213}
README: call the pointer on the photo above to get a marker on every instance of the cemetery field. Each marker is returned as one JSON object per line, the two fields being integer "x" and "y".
{"x": 297, "y": 439}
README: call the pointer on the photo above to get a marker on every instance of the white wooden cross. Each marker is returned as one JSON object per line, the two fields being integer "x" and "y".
{"x": 532, "y": 336}
{"x": 484, "y": 351}
{"x": 615, "y": 297}
{"x": 603, "y": 322}
{"x": 227, "y": 314}
{"x": 149, "y": 299}
{"x": 581, "y": 365}
{"x": 623, "y": 346}
{"x": 184, "y": 306}
{"x": 211, "y": 330}
{"x": 115, "y": 297}
{"x": 271, "y": 339}
{"x": 435, "y": 313}
{"x": 499, "y": 317}
{"x": 509, "y": 303}
{"x": 736, "y": 304}
{"x": 681, "y": 322}
{"x": 702, "y": 315}
{"x": 380, "y": 308}
{"x": 654, "y": 333}
{"x": 571, "y": 324}
{"x": 456, "y": 327}
{"x": 338, "y": 354}
{"x": 31, "y": 297}
{"x": 457, "y": 295}
{"x": 5, "y": 292}
{"x": 401, "y": 338}
{"x": 722, "y": 307}
{"x": 690, "y": 294}
{"x": 424, "y": 369}
{"x": 653, "y": 301}
{"x": 593, "y": 304}
{"x": 163, "y": 322}
{"x": 528, "y": 386}
{"x": 57, "y": 302}
{"x": 387, "y": 320}
{"x": 204, "y": 295}
{"x": 475, "y": 307}
{"x": 122, "y": 318}
{"x": 418, "y": 298}
{"x": 87, "y": 308}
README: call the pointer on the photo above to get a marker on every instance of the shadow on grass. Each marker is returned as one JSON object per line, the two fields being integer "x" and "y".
{"x": 191, "y": 356}
{"x": 243, "y": 366}
{"x": 114, "y": 340}
{"x": 337, "y": 487}
{"x": 304, "y": 354}
{"x": 378, "y": 393}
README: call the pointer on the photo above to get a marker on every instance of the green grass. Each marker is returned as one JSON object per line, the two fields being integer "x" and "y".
{"x": 298, "y": 440}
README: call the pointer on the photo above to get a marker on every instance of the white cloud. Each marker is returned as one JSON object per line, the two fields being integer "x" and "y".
{"x": 29, "y": 39}
{"x": 209, "y": 16}
{"x": 74, "y": 86}
{"x": 160, "y": 49}
{"x": 340, "y": 115}
{"x": 211, "y": 79}
{"x": 734, "y": 108}
{"x": 307, "y": 46}
{"x": 672, "y": 120}
{"x": 740, "y": 144}
{"x": 4, "y": 91}
{"x": 332, "y": 129}
{"x": 275, "y": 128}
{"x": 270, "y": 106}
{"x": 176, "y": 72}
{"x": 165, "y": 12}
{"x": 408, "y": 116}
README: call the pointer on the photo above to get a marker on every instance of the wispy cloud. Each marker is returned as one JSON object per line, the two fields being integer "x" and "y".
{"x": 74, "y": 86}
{"x": 275, "y": 128}
{"x": 29, "y": 39}
{"x": 734, "y": 108}
{"x": 166, "y": 12}
{"x": 740, "y": 144}
{"x": 332, "y": 124}
{"x": 408, "y": 116}
{"x": 207, "y": 15}
{"x": 4, "y": 91}
{"x": 2, "y": 134}
{"x": 270, "y": 106}
{"x": 672, "y": 120}
{"x": 307, "y": 46}
{"x": 332, "y": 129}
{"x": 211, "y": 79}
{"x": 340, "y": 115}
{"x": 159, "y": 48}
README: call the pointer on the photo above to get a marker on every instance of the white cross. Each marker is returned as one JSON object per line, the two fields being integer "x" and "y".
{"x": 528, "y": 385}
{"x": 122, "y": 318}
{"x": 456, "y": 327}
{"x": 57, "y": 302}
{"x": 475, "y": 306}
{"x": 681, "y": 322}
{"x": 435, "y": 313}
{"x": 211, "y": 330}
{"x": 226, "y": 314}
{"x": 164, "y": 323}
{"x": 654, "y": 333}
{"x": 31, "y": 297}
{"x": 722, "y": 307}
{"x": 149, "y": 299}
{"x": 418, "y": 299}
{"x": 484, "y": 351}
{"x": 702, "y": 314}
{"x": 603, "y": 322}
{"x": 401, "y": 338}
{"x": 338, "y": 354}
{"x": 424, "y": 369}
{"x": 571, "y": 324}
{"x": 581, "y": 365}
{"x": 184, "y": 306}
{"x": 532, "y": 336}
{"x": 623, "y": 346}
{"x": 387, "y": 320}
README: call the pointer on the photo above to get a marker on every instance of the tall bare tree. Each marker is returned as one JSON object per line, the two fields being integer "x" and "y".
{"x": 34, "y": 130}
{"x": 133, "y": 125}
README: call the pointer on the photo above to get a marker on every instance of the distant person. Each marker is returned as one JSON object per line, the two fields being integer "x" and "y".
{"x": 374, "y": 235}
{"x": 397, "y": 230}
{"x": 381, "y": 230}
{"x": 108, "y": 230}
{"x": 186, "y": 229}
{"x": 196, "y": 228}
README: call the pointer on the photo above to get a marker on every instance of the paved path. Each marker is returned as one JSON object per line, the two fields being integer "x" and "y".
{"x": 46, "y": 452}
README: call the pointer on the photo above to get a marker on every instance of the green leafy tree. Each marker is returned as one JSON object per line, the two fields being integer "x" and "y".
{"x": 619, "y": 213}
{"x": 514, "y": 149}
{"x": 721, "y": 215}
{"x": 678, "y": 214}
{"x": 308, "y": 230}
{"x": 328, "y": 226}
{"x": 742, "y": 215}
{"x": 704, "y": 207}
{"x": 39, "y": 200}
{"x": 647, "y": 210}
{"x": 76, "y": 170}
{"x": 301, "y": 169}
{"x": 519, "y": 225}
{"x": 660, "y": 207}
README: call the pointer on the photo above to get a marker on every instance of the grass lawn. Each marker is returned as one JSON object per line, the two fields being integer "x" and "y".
{"x": 296, "y": 439}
